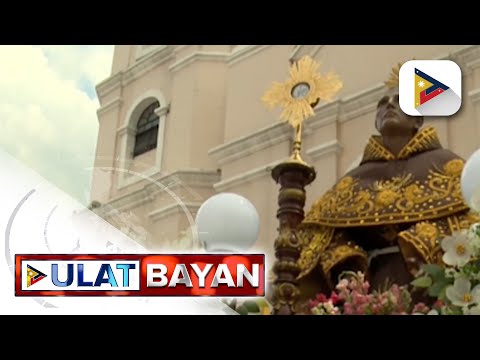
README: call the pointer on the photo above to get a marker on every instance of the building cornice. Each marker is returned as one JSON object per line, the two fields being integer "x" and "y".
{"x": 245, "y": 52}
{"x": 252, "y": 143}
{"x": 243, "y": 178}
{"x": 474, "y": 96}
{"x": 198, "y": 56}
{"x": 126, "y": 130}
{"x": 115, "y": 103}
{"x": 142, "y": 65}
{"x": 324, "y": 149}
{"x": 324, "y": 115}
{"x": 108, "y": 85}
{"x": 166, "y": 53}
{"x": 190, "y": 178}
{"x": 360, "y": 103}
{"x": 271, "y": 135}
{"x": 173, "y": 209}
{"x": 468, "y": 57}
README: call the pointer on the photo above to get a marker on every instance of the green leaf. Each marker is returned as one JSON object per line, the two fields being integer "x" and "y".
{"x": 437, "y": 272}
{"x": 437, "y": 288}
{"x": 443, "y": 294}
{"x": 422, "y": 282}
{"x": 251, "y": 306}
{"x": 242, "y": 310}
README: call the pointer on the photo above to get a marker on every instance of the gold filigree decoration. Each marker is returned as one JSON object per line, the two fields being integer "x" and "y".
{"x": 388, "y": 190}
{"x": 462, "y": 221}
{"x": 427, "y": 231}
{"x": 332, "y": 257}
{"x": 285, "y": 294}
{"x": 311, "y": 86}
{"x": 317, "y": 239}
{"x": 424, "y": 237}
{"x": 454, "y": 167}
{"x": 376, "y": 151}
{"x": 287, "y": 238}
{"x": 344, "y": 183}
{"x": 386, "y": 198}
{"x": 353, "y": 205}
{"x": 425, "y": 139}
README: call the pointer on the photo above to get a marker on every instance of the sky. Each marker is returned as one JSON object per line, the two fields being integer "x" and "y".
{"x": 48, "y": 110}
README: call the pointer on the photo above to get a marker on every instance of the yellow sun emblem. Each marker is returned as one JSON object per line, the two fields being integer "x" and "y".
{"x": 302, "y": 91}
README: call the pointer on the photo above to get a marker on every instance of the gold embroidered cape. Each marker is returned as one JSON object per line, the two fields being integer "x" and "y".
{"x": 419, "y": 187}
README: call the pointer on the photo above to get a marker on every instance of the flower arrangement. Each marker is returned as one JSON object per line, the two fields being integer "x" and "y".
{"x": 352, "y": 296}
{"x": 456, "y": 284}
{"x": 453, "y": 286}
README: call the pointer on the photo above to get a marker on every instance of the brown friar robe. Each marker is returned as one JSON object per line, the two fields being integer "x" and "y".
{"x": 411, "y": 201}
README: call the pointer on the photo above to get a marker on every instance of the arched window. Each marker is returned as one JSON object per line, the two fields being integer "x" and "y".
{"x": 147, "y": 130}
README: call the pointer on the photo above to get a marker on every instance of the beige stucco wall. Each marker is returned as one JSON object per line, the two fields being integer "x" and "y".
{"x": 216, "y": 121}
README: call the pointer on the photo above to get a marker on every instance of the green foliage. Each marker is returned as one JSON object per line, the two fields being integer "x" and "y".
{"x": 438, "y": 287}
{"x": 252, "y": 306}
{"x": 422, "y": 282}
{"x": 242, "y": 310}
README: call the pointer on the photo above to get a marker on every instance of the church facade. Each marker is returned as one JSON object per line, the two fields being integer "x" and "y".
{"x": 179, "y": 123}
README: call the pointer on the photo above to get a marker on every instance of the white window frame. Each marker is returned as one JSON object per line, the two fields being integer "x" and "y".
{"x": 126, "y": 136}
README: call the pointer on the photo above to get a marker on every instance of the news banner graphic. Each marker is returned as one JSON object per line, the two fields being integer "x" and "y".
{"x": 430, "y": 87}
{"x": 140, "y": 275}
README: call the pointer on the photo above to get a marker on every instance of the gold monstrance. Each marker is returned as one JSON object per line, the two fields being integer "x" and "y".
{"x": 297, "y": 96}
{"x": 300, "y": 94}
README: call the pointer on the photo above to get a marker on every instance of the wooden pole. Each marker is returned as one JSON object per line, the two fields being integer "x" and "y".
{"x": 293, "y": 176}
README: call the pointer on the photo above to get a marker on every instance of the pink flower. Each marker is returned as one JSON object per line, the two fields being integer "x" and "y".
{"x": 361, "y": 309}
{"x": 438, "y": 304}
{"x": 342, "y": 285}
{"x": 366, "y": 287}
{"x": 348, "y": 309}
{"x": 321, "y": 298}
{"x": 334, "y": 298}
{"x": 420, "y": 308}
{"x": 358, "y": 298}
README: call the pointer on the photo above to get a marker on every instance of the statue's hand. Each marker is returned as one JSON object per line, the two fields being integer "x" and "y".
{"x": 413, "y": 265}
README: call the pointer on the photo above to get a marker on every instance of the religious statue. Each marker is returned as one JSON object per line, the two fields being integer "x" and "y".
{"x": 387, "y": 216}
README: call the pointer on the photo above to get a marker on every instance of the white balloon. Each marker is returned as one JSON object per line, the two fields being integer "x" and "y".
{"x": 227, "y": 222}
{"x": 470, "y": 181}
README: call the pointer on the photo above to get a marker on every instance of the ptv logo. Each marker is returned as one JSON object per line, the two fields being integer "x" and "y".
{"x": 33, "y": 276}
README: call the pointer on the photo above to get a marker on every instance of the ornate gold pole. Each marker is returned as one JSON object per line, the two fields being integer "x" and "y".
{"x": 298, "y": 96}
{"x": 293, "y": 176}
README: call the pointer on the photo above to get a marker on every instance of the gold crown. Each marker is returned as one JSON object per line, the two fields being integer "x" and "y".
{"x": 393, "y": 81}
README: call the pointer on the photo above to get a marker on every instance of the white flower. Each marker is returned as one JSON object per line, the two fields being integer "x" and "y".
{"x": 472, "y": 311}
{"x": 473, "y": 236}
{"x": 433, "y": 312}
{"x": 457, "y": 249}
{"x": 451, "y": 273}
{"x": 461, "y": 293}
{"x": 472, "y": 231}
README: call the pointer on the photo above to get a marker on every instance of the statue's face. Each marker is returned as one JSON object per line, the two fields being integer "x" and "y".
{"x": 391, "y": 120}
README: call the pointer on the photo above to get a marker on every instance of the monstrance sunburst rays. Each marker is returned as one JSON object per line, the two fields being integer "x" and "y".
{"x": 300, "y": 93}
